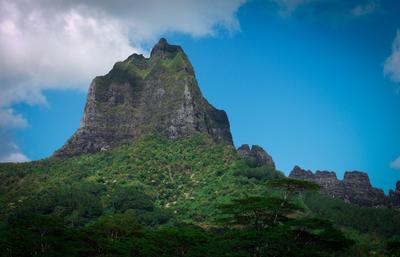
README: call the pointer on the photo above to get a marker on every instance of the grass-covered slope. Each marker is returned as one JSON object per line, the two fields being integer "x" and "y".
{"x": 187, "y": 177}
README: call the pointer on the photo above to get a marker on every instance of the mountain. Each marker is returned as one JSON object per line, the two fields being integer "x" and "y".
{"x": 152, "y": 171}
{"x": 354, "y": 188}
{"x": 144, "y": 95}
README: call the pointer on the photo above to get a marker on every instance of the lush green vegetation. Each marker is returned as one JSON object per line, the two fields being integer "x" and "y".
{"x": 185, "y": 197}
{"x": 380, "y": 221}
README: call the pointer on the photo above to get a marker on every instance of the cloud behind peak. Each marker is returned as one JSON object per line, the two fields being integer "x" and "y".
{"x": 63, "y": 44}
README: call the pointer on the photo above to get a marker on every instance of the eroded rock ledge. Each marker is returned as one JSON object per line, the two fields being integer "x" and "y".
{"x": 354, "y": 188}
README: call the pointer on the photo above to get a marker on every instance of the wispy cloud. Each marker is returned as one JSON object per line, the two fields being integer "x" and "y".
{"x": 392, "y": 63}
{"x": 395, "y": 164}
{"x": 288, "y": 7}
{"x": 9, "y": 151}
{"x": 9, "y": 119}
{"x": 15, "y": 157}
{"x": 366, "y": 9}
{"x": 331, "y": 10}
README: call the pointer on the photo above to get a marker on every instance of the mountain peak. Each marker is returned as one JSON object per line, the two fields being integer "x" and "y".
{"x": 256, "y": 154}
{"x": 163, "y": 49}
{"x": 142, "y": 95}
{"x": 162, "y": 41}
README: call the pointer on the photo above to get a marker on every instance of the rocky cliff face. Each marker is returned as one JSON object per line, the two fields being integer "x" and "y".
{"x": 359, "y": 190}
{"x": 394, "y": 196}
{"x": 256, "y": 154}
{"x": 354, "y": 188}
{"x": 141, "y": 95}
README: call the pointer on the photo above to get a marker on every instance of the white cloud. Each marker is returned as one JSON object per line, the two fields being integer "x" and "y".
{"x": 47, "y": 44}
{"x": 8, "y": 119}
{"x": 9, "y": 151}
{"x": 366, "y": 9}
{"x": 15, "y": 157}
{"x": 41, "y": 50}
{"x": 395, "y": 164}
{"x": 392, "y": 64}
{"x": 63, "y": 44}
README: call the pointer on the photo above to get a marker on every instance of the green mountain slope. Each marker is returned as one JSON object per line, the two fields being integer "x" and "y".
{"x": 187, "y": 176}
{"x": 160, "y": 182}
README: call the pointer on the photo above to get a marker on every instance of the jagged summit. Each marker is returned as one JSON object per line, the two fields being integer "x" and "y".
{"x": 355, "y": 187}
{"x": 164, "y": 50}
{"x": 256, "y": 154}
{"x": 141, "y": 95}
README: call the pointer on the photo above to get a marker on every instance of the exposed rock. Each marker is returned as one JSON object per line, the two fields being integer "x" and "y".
{"x": 257, "y": 154}
{"x": 394, "y": 196}
{"x": 141, "y": 95}
{"x": 326, "y": 179}
{"x": 354, "y": 188}
{"x": 330, "y": 184}
{"x": 244, "y": 150}
{"x": 299, "y": 173}
{"x": 360, "y": 191}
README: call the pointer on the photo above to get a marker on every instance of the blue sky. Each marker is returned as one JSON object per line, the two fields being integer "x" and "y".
{"x": 303, "y": 79}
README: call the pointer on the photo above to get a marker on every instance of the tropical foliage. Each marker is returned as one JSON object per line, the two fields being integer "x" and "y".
{"x": 184, "y": 197}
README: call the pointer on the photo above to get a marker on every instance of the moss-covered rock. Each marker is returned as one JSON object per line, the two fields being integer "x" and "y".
{"x": 141, "y": 95}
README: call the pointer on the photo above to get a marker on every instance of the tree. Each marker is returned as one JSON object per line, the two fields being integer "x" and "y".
{"x": 257, "y": 213}
{"x": 273, "y": 226}
{"x": 35, "y": 235}
{"x": 181, "y": 241}
{"x": 308, "y": 237}
{"x": 291, "y": 187}
{"x": 393, "y": 246}
{"x": 112, "y": 235}
{"x": 130, "y": 197}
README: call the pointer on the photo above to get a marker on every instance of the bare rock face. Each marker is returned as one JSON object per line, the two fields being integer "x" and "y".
{"x": 328, "y": 181}
{"x": 244, "y": 150}
{"x": 330, "y": 184}
{"x": 394, "y": 196}
{"x": 257, "y": 154}
{"x": 360, "y": 191}
{"x": 142, "y": 95}
{"x": 301, "y": 174}
{"x": 354, "y": 188}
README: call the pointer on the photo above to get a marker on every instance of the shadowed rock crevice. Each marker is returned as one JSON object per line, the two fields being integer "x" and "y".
{"x": 143, "y": 95}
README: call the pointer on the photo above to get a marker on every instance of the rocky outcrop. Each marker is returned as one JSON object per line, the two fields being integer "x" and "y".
{"x": 326, "y": 179}
{"x": 394, "y": 196}
{"x": 354, "y": 188}
{"x": 256, "y": 154}
{"x": 359, "y": 190}
{"x": 142, "y": 95}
